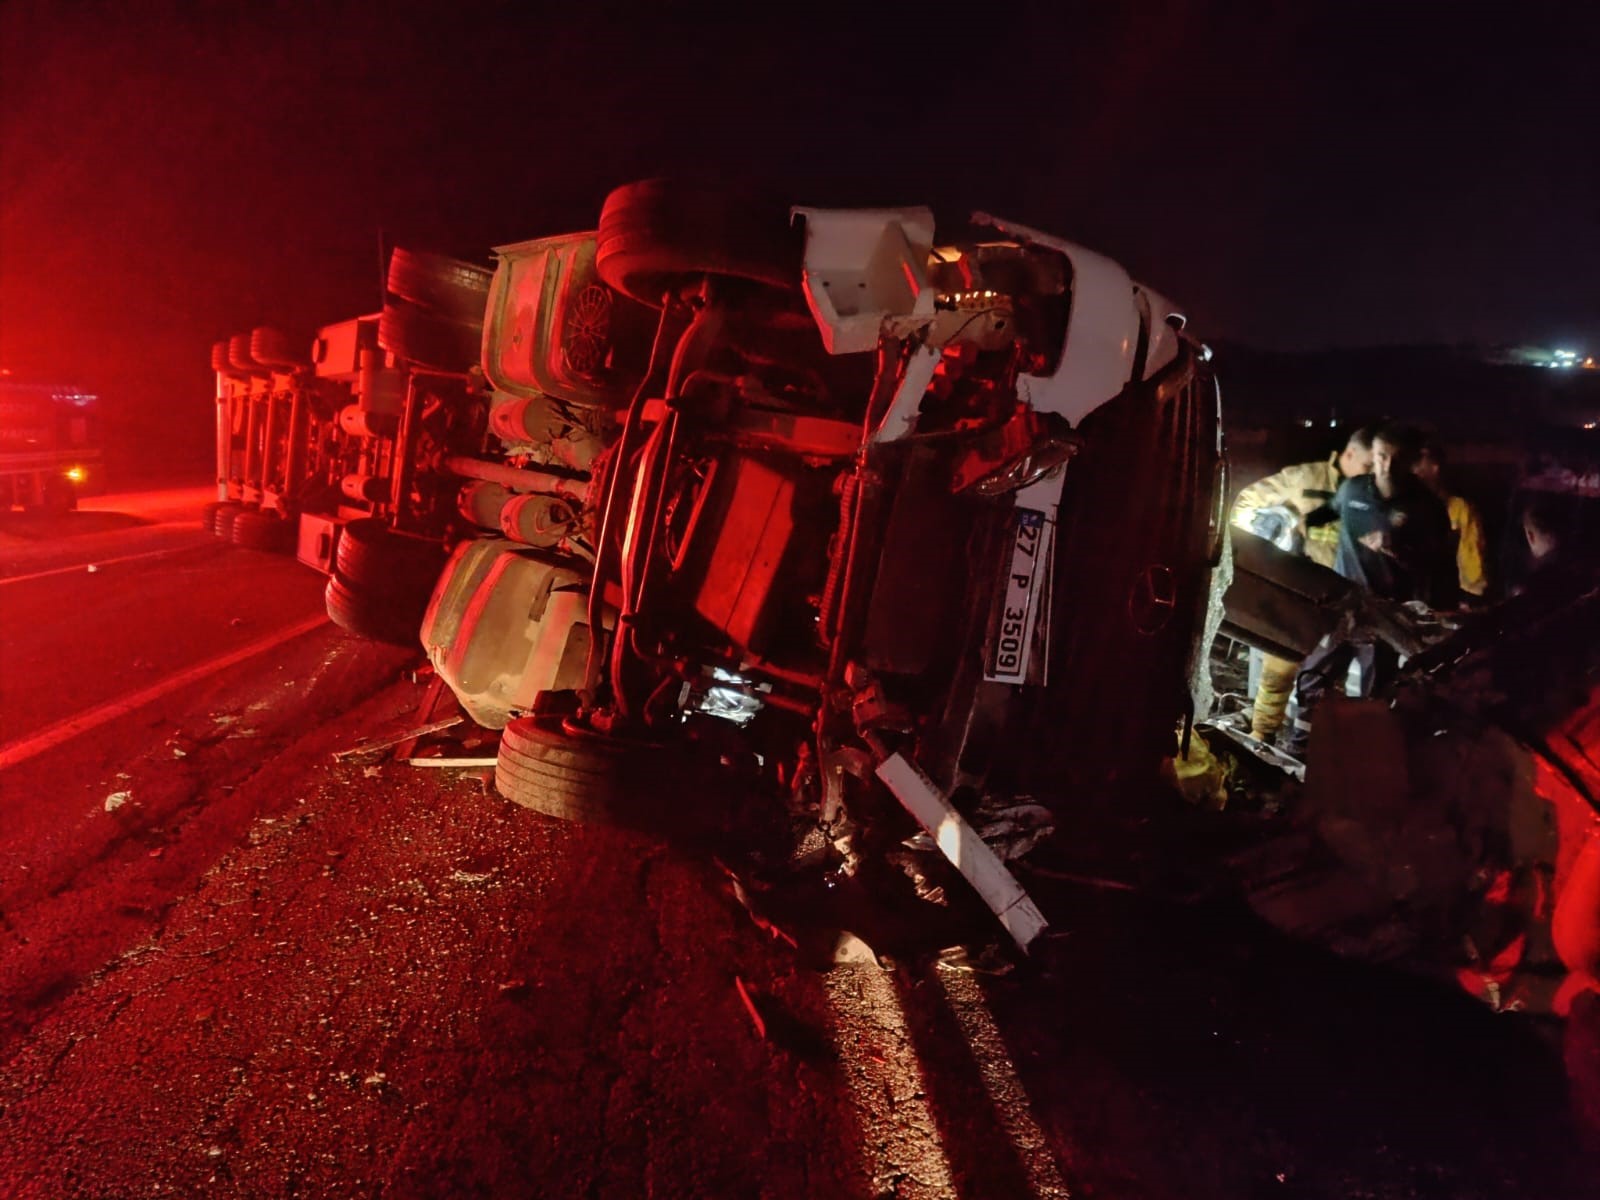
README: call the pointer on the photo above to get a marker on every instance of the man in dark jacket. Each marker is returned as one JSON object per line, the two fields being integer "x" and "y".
{"x": 1395, "y": 540}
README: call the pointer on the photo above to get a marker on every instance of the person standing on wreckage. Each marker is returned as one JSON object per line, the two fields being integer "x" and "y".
{"x": 1396, "y": 542}
{"x": 1276, "y": 508}
{"x": 1471, "y": 546}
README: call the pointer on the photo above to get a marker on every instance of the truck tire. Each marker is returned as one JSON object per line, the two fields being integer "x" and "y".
{"x": 445, "y": 286}
{"x": 428, "y": 339}
{"x": 271, "y": 347}
{"x": 586, "y": 777}
{"x": 223, "y": 518}
{"x": 369, "y": 613}
{"x": 658, "y": 234}
{"x": 371, "y": 555}
{"x": 261, "y": 531}
{"x": 385, "y": 581}
{"x": 242, "y": 361}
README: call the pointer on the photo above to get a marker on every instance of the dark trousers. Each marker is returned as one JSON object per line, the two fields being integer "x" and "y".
{"x": 1326, "y": 670}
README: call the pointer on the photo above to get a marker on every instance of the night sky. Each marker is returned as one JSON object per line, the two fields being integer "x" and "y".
{"x": 1296, "y": 175}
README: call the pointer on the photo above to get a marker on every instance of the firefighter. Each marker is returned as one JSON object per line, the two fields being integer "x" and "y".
{"x": 1470, "y": 542}
{"x": 1276, "y": 508}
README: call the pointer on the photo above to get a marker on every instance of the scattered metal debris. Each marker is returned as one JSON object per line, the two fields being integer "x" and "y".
{"x": 116, "y": 800}
{"x": 985, "y": 960}
{"x": 850, "y": 949}
{"x": 373, "y": 745}
{"x": 742, "y": 895}
{"x": 425, "y": 712}
{"x": 459, "y": 763}
{"x": 1267, "y": 753}
{"x": 1013, "y": 830}
{"x": 750, "y": 1007}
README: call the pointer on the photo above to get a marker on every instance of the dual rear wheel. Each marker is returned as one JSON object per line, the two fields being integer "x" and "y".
{"x": 382, "y": 581}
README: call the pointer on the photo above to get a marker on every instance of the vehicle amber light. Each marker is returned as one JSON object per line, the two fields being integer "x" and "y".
{"x": 77, "y": 474}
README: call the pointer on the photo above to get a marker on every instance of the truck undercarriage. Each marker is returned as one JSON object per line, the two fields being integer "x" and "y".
{"x": 749, "y": 509}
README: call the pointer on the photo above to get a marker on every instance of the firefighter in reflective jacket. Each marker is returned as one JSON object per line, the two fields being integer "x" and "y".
{"x": 1464, "y": 521}
{"x": 1275, "y": 508}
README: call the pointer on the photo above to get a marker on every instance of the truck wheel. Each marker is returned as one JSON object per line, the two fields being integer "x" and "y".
{"x": 428, "y": 339}
{"x": 586, "y": 777}
{"x": 385, "y": 579}
{"x": 656, "y": 235}
{"x": 271, "y": 348}
{"x": 223, "y": 518}
{"x": 370, "y": 555}
{"x": 367, "y": 613}
{"x": 242, "y": 361}
{"x": 261, "y": 531}
{"x": 446, "y": 286}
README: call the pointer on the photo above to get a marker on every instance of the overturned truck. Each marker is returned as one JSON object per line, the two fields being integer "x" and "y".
{"x": 805, "y": 518}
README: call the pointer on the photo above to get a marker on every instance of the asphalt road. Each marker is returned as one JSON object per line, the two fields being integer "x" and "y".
{"x": 231, "y": 965}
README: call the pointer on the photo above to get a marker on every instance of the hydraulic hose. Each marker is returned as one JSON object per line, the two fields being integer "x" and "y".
{"x": 615, "y": 471}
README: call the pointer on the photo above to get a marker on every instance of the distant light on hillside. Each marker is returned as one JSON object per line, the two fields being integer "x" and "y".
{"x": 1539, "y": 356}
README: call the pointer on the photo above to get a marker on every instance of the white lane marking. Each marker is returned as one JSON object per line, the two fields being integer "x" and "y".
{"x": 901, "y": 1142}
{"x": 79, "y": 568}
{"x": 902, "y": 1145}
{"x": 61, "y": 731}
{"x": 1009, "y": 1098}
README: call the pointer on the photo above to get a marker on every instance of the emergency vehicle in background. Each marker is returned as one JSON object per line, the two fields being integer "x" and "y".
{"x": 49, "y": 444}
{"x": 800, "y": 512}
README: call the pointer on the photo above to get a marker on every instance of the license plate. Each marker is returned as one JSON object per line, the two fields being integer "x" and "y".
{"x": 1012, "y": 649}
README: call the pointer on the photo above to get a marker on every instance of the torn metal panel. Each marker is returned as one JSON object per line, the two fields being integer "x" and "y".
{"x": 1280, "y": 602}
{"x": 964, "y": 849}
{"x": 1288, "y": 605}
{"x": 901, "y": 418}
{"x": 1269, "y": 754}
